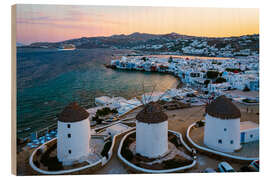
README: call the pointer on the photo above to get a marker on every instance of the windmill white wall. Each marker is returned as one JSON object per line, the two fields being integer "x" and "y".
{"x": 73, "y": 141}
{"x": 222, "y": 134}
{"x": 151, "y": 138}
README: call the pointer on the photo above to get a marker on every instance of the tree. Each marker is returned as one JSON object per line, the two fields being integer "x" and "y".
{"x": 206, "y": 82}
{"x": 114, "y": 111}
{"x": 170, "y": 59}
{"x": 212, "y": 74}
{"x": 220, "y": 80}
{"x": 144, "y": 59}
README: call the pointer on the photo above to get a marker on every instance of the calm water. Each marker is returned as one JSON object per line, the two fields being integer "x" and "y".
{"x": 48, "y": 80}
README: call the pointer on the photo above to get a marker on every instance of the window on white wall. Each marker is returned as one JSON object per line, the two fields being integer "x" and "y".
{"x": 225, "y": 129}
{"x": 231, "y": 141}
{"x": 69, "y": 135}
{"x": 69, "y": 151}
{"x": 251, "y": 136}
{"x": 68, "y": 126}
{"x": 220, "y": 141}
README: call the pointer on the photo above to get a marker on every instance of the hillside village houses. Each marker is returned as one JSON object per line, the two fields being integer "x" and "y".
{"x": 239, "y": 73}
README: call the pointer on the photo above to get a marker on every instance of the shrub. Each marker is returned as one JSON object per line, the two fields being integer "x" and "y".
{"x": 246, "y": 89}
{"x": 200, "y": 123}
{"x": 127, "y": 154}
{"x": 191, "y": 95}
{"x": 175, "y": 141}
{"x": 106, "y": 149}
{"x": 99, "y": 121}
{"x": 169, "y": 164}
{"x": 105, "y": 111}
{"x": 53, "y": 164}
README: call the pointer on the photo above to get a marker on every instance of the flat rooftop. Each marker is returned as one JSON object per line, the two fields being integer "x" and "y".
{"x": 244, "y": 125}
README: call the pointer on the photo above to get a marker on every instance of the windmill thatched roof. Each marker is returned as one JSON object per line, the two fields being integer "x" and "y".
{"x": 73, "y": 113}
{"x": 152, "y": 113}
{"x": 223, "y": 108}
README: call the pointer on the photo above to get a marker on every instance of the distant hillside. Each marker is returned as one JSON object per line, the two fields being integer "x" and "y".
{"x": 120, "y": 41}
{"x": 173, "y": 42}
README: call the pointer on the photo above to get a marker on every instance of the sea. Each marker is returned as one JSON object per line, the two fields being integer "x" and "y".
{"x": 49, "y": 79}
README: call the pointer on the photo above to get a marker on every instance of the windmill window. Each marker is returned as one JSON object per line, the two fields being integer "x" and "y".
{"x": 251, "y": 136}
{"x": 225, "y": 129}
{"x": 220, "y": 141}
{"x": 69, "y": 135}
{"x": 69, "y": 151}
{"x": 68, "y": 126}
{"x": 231, "y": 141}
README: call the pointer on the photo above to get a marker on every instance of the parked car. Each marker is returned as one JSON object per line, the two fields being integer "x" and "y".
{"x": 225, "y": 167}
{"x": 209, "y": 170}
{"x": 254, "y": 166}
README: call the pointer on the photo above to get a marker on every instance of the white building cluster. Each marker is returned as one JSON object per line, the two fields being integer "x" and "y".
{"x": 121, "y": 104}
{"x": 239, "y": 73}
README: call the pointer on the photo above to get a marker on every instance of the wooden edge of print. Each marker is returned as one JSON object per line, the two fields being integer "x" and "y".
{"x": 13, "y": 92}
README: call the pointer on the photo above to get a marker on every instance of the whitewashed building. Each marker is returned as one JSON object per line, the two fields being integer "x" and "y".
{"x": 249, "y": 132}
{"x": 152, "y": 131}
{"x": 222, "y": 125}
{"x": 73, "y": 134}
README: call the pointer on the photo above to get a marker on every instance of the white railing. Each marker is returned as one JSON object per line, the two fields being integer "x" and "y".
{"x": 102, "y": 161}
{"x": 137, "y": 168}
{"x": 56, "y": 172}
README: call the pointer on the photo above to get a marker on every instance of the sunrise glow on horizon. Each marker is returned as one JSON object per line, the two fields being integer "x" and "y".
{"x": 51, "y": 23}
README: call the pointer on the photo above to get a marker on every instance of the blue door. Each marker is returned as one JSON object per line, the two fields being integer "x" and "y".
{"x": 242, "y": 137}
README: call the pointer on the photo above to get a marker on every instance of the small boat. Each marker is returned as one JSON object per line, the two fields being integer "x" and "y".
{"x": 27, "y": 129}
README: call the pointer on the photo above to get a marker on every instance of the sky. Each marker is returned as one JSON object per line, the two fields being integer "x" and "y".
{"x": 52, "y": 23}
